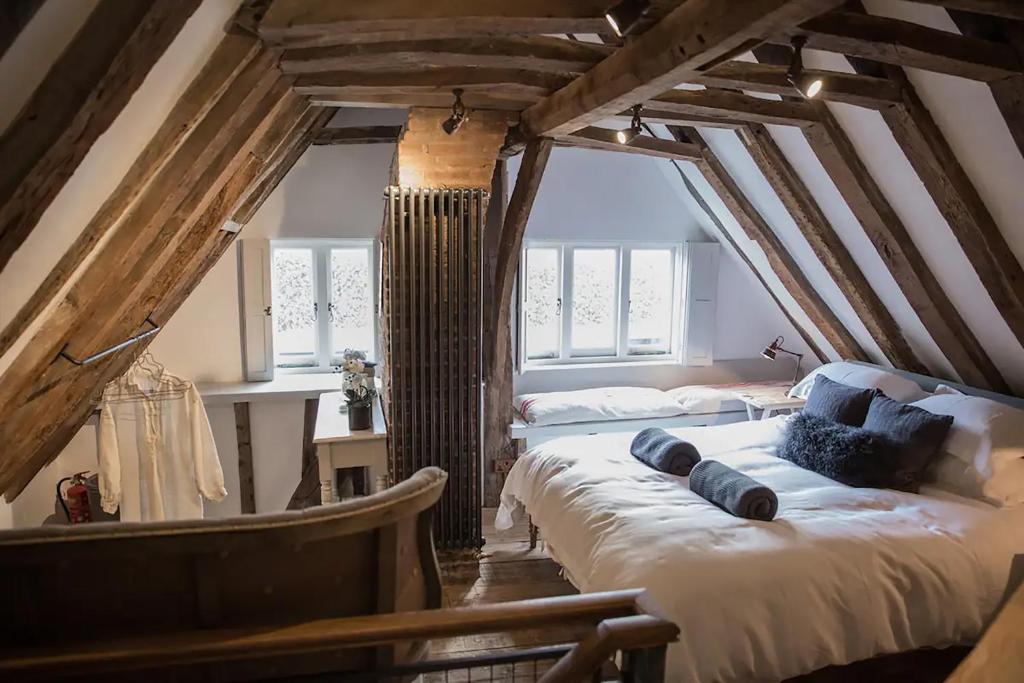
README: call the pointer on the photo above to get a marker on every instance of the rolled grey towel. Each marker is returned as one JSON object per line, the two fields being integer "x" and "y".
{"x": 733, "y": 491}
{"x": 658, "y": 449}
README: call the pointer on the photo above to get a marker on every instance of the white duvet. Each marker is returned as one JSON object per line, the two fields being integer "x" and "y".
{"x": 842, "y": 574}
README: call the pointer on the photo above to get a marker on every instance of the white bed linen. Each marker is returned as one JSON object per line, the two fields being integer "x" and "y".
{"x": 842, "y": 574}
{"x": 593, "y": 405}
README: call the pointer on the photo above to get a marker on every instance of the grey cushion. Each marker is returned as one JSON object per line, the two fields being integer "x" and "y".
{"x": 839, "y": 402}
{"x": 918, "y": 433}
{"x": 847, "y": 454}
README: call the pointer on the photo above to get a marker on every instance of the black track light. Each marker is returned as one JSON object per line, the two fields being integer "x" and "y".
{"x": 808, "y": 86}
{"x": 459, "y": 114}
{"x": 625, "y": 16}
{"x": 626, "y": 135}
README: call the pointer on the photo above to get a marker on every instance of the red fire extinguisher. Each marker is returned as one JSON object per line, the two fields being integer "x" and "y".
{"x": 75, "y": 500}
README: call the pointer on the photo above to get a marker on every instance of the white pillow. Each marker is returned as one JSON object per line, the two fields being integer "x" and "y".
{"x": 702, "y": 398}
{"x": 946, "y": 390}
{"x": 895, "y": 387}
{"x": 983, "y": 456}
{"x": 592, "y": 405}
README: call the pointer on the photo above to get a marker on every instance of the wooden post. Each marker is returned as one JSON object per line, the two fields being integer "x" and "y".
{"x": 246, "y": 476}
{"x": 498, "y": 373}
{"x": 307, "y": 493}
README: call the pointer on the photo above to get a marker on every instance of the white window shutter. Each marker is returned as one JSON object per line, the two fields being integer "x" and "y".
{"x": 701, "y": 285}
{"x": 257, "y": 321}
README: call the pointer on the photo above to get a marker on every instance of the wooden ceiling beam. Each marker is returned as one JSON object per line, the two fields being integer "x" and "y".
{"x": 77, "y": 101}
{"x": 326, "y": 22}
{"x": 111, "y": 297}
{"x": 829, "y": 248}
{"x": 528, "y": 53}
{"x": 692, "y": 38}
{"x": 1007, "y": 9}
{"x": 438, "y": 80}
{"x": 904, "y": 43}
{"x": 486, "y": 99}
{"x": 604, "y": 139}
{"x": 863, "y": 91}
{"x": 901, "y": 256}
{"x": 232, "y": 54}
{"x": 949, "y": 186}
{"x": 734, "y": 106}
{"x": 358, "y": 135}
{"x": 781, "y": 262}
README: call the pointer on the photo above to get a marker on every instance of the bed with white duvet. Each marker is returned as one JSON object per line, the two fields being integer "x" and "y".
{"x": 842, "y": 574}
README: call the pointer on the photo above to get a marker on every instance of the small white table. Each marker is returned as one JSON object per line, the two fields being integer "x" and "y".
{"x": 338, "y": 447}
{"x": 769, "y": 398}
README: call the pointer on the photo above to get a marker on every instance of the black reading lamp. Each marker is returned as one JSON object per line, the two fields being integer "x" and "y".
{"x": 773, "y": 349}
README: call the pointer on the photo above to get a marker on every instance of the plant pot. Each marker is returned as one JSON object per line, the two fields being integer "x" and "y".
{"x": 359, "y": 417}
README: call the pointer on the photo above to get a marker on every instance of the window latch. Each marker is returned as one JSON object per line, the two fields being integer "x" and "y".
{"x": 558, "y": 306}
{"x": 266, "y": 311}
{"x": 315, "y": 311}
{"x": 330, "y": 311}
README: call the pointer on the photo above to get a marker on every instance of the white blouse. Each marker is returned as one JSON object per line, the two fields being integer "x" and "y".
{"x": 157, "y": 457}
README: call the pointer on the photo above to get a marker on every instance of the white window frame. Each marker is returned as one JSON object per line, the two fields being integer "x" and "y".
{"x": 620, "y": 354}
{"x": 323, "y": 360}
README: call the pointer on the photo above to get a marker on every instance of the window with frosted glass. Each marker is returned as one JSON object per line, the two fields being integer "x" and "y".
{"x": 542, "y": 303}
{"x": 651, "y": 289}
{"x": 351, "y": 301}
{"x": 594, "y": 301}
{"x": 294, "y": 307}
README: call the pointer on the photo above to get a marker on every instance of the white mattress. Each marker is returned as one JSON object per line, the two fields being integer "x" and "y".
{"x": 842, "y": 574}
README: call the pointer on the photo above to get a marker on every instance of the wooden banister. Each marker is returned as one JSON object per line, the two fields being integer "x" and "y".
{"x": 194, "y": 647}
{"x": 638, "y": 632}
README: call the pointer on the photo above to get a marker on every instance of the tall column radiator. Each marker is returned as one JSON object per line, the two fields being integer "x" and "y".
{"x": 431, "y": 313}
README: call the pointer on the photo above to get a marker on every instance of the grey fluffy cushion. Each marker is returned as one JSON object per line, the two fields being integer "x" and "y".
{"x": 849, "y": 455}
{"x": 838, "y": 401}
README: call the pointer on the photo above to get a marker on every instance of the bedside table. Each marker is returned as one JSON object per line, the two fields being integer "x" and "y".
{"x": 768, "y": 397}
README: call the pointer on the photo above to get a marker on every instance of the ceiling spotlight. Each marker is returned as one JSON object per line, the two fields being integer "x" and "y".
{"x": 635, "y": 127}
{"x": 625, "y": 16}
{"x": 808, "y": 86}
{"x": 459, "y": 114}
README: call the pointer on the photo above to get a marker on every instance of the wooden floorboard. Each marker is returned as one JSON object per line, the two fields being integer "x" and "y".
{"x": 506, "y": 569}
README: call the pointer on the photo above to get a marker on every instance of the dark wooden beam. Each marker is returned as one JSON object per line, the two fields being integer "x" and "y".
{"x": 14, "y": 16}
{"x": 830, "y": 250}
{"x": 246, "y": 476}
{"x": 79, "y": 98}
{"x": 307, "y": 493}
{"x": 528, "y": 53}
{"x": 129, "y": 278}
{"x": 904, "y": 43}
{"x": 693, "y": 37}
{"x": 305, "y": 23}
{"x": 233, "y": 54}
{"x": 604, "y": 139}
{"x": 485, "y": 97}
{"x": 431, "y": 80}
{"x": 734, "y": 106}
{"x": 781, "y": 262}
{"x": 949, "y": 186}
{"x": 1007, "y": 9}
{"x": 361, "y": 135}
{"x": 901, "y": 256}
{"x": 863, "y": 91}
{"x": 723, "y": 233}
{"x": 498, "y": 372}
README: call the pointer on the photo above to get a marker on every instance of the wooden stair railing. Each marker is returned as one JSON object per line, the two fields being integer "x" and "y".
{"x": 620, "y": 621}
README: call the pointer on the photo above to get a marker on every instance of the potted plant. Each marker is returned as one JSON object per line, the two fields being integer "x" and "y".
{"x": 359, "y": 390}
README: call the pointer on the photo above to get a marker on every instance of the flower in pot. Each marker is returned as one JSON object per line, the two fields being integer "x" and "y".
{"x": 359, "y": 390}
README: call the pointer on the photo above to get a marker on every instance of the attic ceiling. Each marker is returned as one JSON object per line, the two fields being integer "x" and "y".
{"x": 270, "y": 85}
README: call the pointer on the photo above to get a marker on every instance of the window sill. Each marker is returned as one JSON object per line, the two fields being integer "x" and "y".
{"x": 545, "y": 367}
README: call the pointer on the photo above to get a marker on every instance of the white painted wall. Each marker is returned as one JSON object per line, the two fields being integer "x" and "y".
{"x": 588, "y": 194}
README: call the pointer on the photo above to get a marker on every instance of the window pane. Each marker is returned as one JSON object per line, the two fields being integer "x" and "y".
{"x": 650, "y": 301}
{"x": 351, "y": 301}
{"x": 293, "y": 297}
{"x": 594, "y": 276}
{"x": 542, "y": 306}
